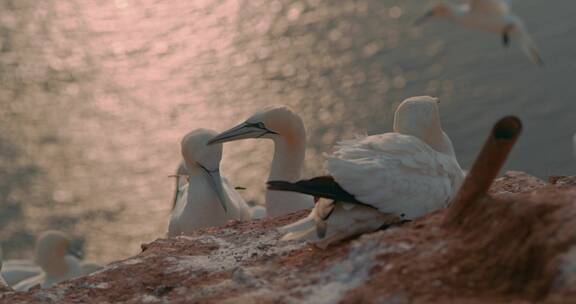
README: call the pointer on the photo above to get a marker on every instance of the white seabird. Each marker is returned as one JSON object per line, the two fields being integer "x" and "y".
{"x": 286, "y": 129}
{"x": 256, "y": 212}
{"x": 381, "y": 179}
{"x": 492, "y": 16}
{"x": 208, "y": 199}
{"x": 14, "y": 271}
{"x": 56, "y": 264}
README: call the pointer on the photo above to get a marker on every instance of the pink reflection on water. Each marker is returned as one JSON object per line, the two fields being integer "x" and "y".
{"x": 149, "y": 55}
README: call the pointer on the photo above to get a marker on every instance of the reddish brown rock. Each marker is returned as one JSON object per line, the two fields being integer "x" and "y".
{"x": 4, "y": 287}
{"x": 517, "y": 248}
{"x": 514, "y": 182}
{"x": 562, "y": 181}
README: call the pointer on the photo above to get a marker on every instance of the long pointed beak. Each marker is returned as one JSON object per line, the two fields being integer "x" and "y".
{"x": 215, "y": 181}
{"x": 241, "y": 131}
{"x": 76, "y": 248}
{"x": 424, "y": 18}
{"x": 76, "y": 253}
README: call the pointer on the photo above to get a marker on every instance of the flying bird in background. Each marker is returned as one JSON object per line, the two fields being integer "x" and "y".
{"x": 492, "y": 16}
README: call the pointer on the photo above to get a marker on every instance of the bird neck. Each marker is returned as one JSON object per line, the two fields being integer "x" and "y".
{"x": 433, "y": 135}
{"x": 287, "y": 166}
{"x": 446, "y": 146}
{"x": 439, "y": 141}
{"x": 190, "y": 168}
{"x": 289, "y": 153}
{"x": 52, "y": 264}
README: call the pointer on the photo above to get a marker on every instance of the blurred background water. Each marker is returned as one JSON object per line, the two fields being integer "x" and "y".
{"x": 95, "y": 96}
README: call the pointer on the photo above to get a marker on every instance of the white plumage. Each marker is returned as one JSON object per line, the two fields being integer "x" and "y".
{"x": 181, "y": 181}
{"x": 56, "y": 264}
{"x": 16, "y": 271}
{"x": 255, "y": 212}
{"x": 389, "y": 170}
{"x": 492, "y": 16}
{"x": 2, "y": 281}
{"x": 207, "y": 199}
{"x": 396, "y": 176}
{"x": 287, "y": 130}
{"x": 46, "y": 279}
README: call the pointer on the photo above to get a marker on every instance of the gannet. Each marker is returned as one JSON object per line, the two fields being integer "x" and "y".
{"x": 256, "y": 211}
{"x": 286, "y": 129}
{"x": 381, "y": 179}
{"x": 15, "y": 271}
{"x": 208, "y": 199}
{"x": 56, "y": 264}
{"x": 492, "y": 16}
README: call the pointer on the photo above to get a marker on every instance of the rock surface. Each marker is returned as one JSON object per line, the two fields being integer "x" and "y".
{"x": 519, "y": 248}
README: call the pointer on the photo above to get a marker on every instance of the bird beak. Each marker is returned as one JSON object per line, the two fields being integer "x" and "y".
{"x": 215, "y": 181}
{"x": 241, "y": 131}
{"x": 75, "y": 253}
{"x": 424, "y": 18}
{"x": 75, "y": 249}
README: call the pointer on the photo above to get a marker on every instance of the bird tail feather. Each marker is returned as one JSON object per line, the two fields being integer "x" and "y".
{"x": 321, "y": 186}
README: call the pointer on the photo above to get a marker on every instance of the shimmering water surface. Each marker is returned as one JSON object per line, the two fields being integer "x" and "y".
{"x": 95, "y": 96}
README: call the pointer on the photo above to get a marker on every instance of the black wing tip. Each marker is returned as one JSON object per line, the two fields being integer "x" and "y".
{"x": 272, "y": 182}
{"x": 277, "y": 183}
{"x": 321, "y": 186}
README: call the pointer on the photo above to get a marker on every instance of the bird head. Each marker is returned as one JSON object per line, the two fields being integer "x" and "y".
{"x": 195, "y": 150}
{"x": 51, "y": 248}
{"x": 419, "y": 117}
{"x": 271, "y": 122}
{"x": 199, "y": 156}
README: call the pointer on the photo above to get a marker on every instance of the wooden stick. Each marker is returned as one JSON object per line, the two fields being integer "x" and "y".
{"x": 485, "y": 168}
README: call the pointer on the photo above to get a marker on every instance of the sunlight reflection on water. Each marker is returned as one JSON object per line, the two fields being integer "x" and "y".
{"x": 97, "y": 94}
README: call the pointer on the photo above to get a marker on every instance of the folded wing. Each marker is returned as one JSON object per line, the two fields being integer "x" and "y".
{"x": 395, "y": 173}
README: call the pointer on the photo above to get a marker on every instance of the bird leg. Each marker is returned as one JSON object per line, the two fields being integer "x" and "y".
{"x": 323, "y": 210}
